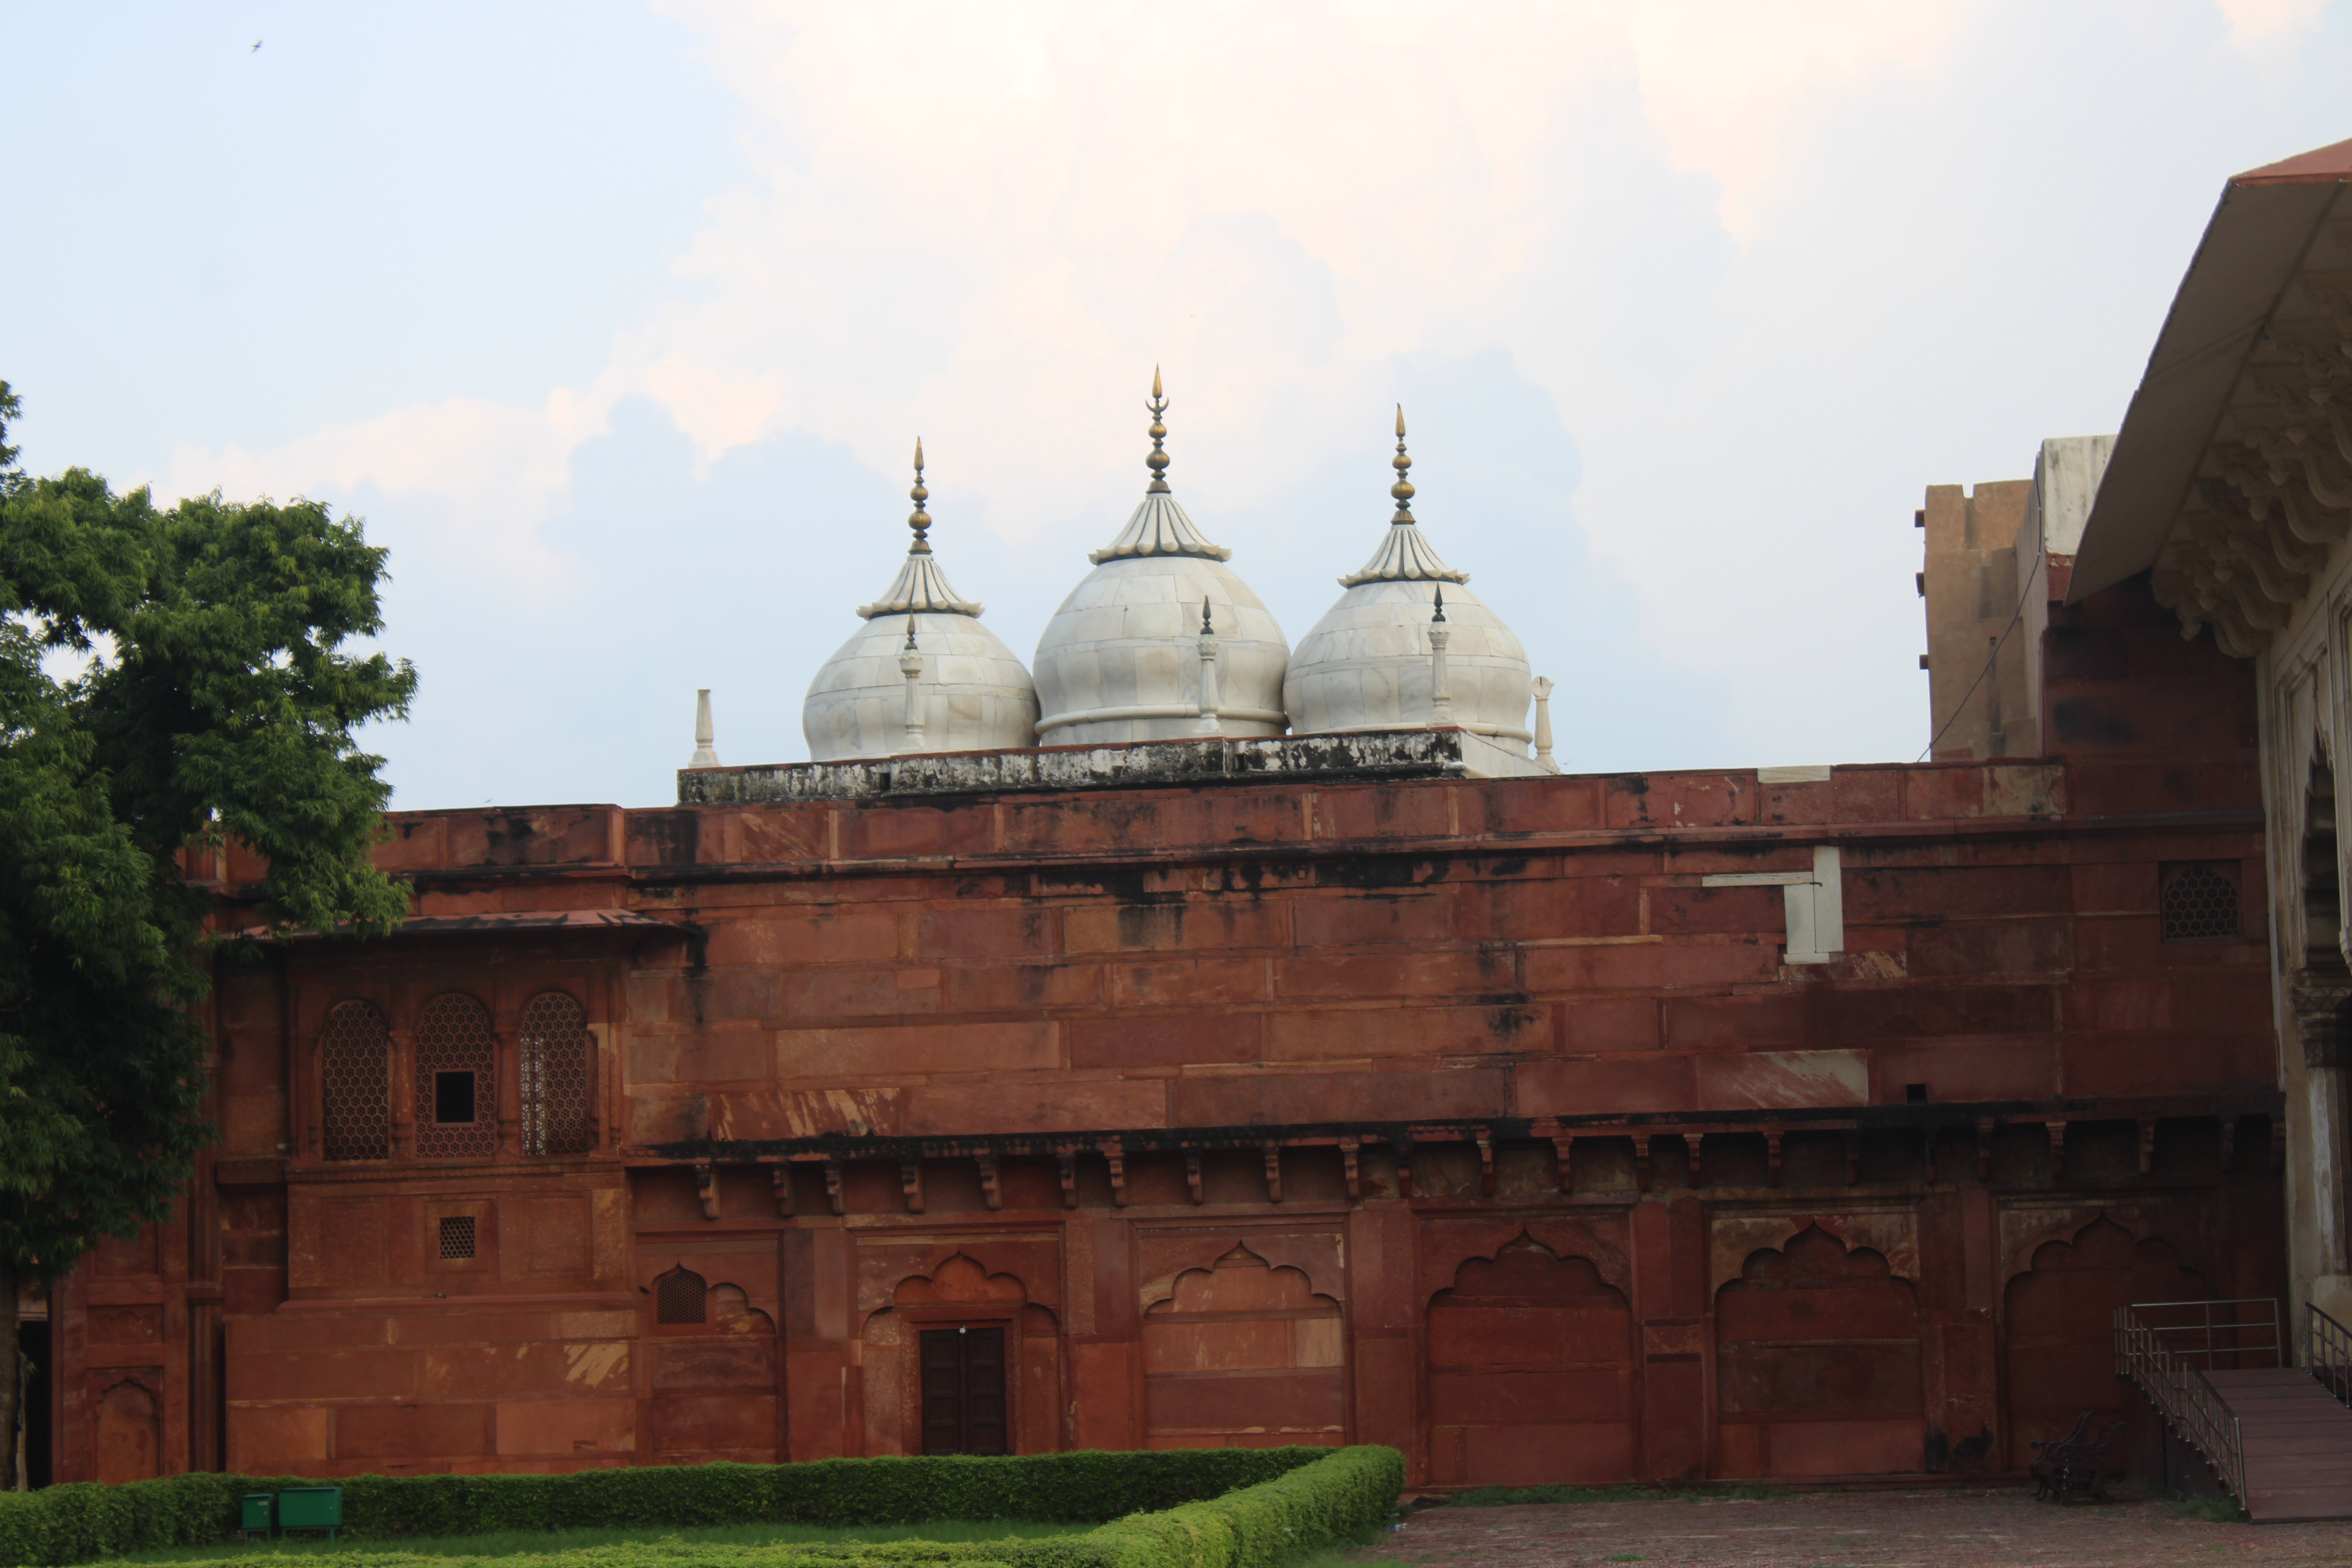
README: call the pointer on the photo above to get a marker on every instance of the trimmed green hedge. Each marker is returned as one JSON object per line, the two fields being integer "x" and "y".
{"x": 1260, "y": 1526}
{"x": 1204, "y": 1507}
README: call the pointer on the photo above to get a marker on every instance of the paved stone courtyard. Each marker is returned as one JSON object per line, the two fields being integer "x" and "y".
{"x": 1850, "y": 1529}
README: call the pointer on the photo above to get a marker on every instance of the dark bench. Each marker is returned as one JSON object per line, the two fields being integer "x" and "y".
{"x": 2073, "y": 1466}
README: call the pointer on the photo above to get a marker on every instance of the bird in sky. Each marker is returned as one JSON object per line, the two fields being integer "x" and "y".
{"x": 257, "y": 45}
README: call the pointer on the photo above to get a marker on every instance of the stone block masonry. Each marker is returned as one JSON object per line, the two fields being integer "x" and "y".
{"x": 1176, "y": 1106}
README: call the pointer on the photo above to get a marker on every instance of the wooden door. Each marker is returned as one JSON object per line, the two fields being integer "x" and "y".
{"x": 963, "y": 1391}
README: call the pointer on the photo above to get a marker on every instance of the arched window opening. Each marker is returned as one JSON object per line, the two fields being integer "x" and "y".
{"x": 681, "y": 1296}
{"x": 456, "y": 1097}
{"x": 355, "y": 1083}
{"x": 554, "y": 1072}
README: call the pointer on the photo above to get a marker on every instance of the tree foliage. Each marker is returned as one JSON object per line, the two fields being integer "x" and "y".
{"x": 169, "y": 678}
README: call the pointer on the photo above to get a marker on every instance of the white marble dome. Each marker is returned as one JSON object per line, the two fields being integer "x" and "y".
{"x": 1120, "y": 659}
{"x": 1366, "y": 665}
{"x": 976, "y": 697}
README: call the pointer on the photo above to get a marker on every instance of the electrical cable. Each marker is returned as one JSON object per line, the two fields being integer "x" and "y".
{"x": 1991, "y": 658}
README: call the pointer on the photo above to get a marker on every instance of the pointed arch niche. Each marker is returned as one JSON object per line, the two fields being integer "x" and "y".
{"x": 1530, "y": 1372}
{"x": 1818, "y": 1363}
{"x": 714, "y": 1362}
{"x": 1243, "y": 1355}
{"x": 2060, "y": 1325}
{"x": 961, "y": 1362}
{"x": 128, "y": 1429}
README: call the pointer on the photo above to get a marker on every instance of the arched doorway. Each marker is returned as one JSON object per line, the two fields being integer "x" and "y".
{"x": 1530, "y": 1372}
{"x": 1817, "y": 1364}
{"x": 961, "y": 1362}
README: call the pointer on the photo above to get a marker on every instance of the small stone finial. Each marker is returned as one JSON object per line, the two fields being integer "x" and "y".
{"x": 1402, "y": 489}
{"x": 911, "y": 667}
{"x": 704, "y": 757}
{"x": 1440, "y": 688}
{"x": 1543, "y": 724}
{"x": 1207, "y": 724}
{"x": 919, "y": 519}
{"x": 1158, "y": 461}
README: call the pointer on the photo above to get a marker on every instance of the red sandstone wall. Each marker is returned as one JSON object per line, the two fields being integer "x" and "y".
{"x": 1437, "y": 1047}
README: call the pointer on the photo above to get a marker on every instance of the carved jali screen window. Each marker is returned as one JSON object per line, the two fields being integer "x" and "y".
{"x": 457, "y": 1103}
{"x": 355, "y": 1083}
{"x": 2200, "y": 903}
{"x": 555, "y": 1071}
{"x": 681, "y": 1296}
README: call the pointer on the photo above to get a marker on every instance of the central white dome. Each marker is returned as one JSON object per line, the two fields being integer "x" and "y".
{"x": 1120, "y": 659}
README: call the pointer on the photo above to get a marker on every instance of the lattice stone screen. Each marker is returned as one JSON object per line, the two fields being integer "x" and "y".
{"x": 681, "y": 1296}
{"x": 555, "y": 1050}
{"x": 2200, "y": 903}
{"x": 453, "y": 1037}
{"x": 355, "y": 1083}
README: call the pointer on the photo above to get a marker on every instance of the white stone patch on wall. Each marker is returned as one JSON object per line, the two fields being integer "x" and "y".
{"x": 1814, "y": 901}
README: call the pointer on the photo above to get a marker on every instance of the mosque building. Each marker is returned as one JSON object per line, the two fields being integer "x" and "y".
{"x": 1193, "y": 1039}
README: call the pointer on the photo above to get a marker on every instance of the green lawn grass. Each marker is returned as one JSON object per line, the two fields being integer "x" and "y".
{"x": 2219, "y": 1510}
{"x": 510, "y": 1544}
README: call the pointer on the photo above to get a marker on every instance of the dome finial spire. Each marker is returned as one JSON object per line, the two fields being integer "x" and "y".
{"x": 1402, "y": 488}
{"x": 1158, "y": 461}
{"x": 919, "y": 519}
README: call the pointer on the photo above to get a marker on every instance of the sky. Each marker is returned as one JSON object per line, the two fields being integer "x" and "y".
{"x": 617, "y": 323}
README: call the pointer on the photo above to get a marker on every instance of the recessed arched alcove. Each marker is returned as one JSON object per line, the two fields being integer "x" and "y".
{"x": 1818, "y": 1363}
{"x": 129, "y": 1433}
{"x": 1243, "y": 1355}
{"x": 713, "y": 1361}
{"x": 1530, "y": 1365}
{"x": 2060, "y": 1321}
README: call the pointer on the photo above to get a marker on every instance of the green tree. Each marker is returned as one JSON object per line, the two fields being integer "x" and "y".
{"x": 168, "y": 679}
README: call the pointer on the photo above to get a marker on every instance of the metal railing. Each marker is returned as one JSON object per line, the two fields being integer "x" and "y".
{"x": 2177, "y": 1387}
{"x": 2240, "y": 1335}
{"x": 2327, "y": 1353}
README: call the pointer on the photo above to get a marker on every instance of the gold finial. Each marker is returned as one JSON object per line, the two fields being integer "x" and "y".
{"x": 919, "y": 519}
{"x": 910, "y": 633}
{"x": 1206, "y": 629}
{"x": 1441, "y": 606}
{"x": 1158, "y": 461}
{"x": 1402, "y": 488}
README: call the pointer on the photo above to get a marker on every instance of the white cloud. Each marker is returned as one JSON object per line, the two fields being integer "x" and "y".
{"x": 1733, "y": 87}
{"x": 502, "y": 471}
{"x": 2264, "y": 26}
{"x": 987, "y": 223}
{"x": 981, "y": 215}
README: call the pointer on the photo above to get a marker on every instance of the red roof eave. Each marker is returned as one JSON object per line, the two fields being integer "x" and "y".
{"x": 2253, "y": 248}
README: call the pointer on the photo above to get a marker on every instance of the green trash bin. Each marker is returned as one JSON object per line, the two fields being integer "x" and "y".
{"x": 310, "y": 1508}
{"x": 256, "y": 1514}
